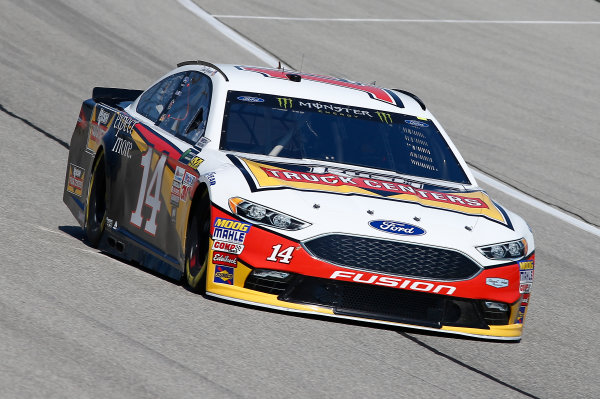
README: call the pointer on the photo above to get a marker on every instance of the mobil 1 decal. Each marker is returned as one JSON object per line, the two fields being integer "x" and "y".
{"x": 261, "y": 175}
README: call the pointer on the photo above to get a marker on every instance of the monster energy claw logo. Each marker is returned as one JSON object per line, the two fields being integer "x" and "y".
{"x": 385, "y": 118}
{"x": 284, "y": 102}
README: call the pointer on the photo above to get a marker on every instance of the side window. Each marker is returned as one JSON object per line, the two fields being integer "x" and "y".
{"x": 154, "y": 101}
{"x": 186, "y": 114}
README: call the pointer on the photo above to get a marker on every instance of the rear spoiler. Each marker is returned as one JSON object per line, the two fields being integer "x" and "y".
{"x": 119, "y": 98}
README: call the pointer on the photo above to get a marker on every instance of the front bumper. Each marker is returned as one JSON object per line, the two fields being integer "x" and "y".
{"x": 254, "y": 273}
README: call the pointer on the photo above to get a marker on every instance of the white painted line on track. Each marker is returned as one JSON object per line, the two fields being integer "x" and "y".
{"x": 60, "y": 233}
{"x": 534, "y": 202}
{"x": 427, "y": 21}
{"x": 231, "y": 34}
{"x": 54, "y": 232}
{"x": 263, "y": 55}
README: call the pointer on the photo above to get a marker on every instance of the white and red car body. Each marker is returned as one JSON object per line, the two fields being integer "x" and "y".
{"x": 351, "y": 214}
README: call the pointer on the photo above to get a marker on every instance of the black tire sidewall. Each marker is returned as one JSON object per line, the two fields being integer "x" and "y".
{"x": 195, "y": 241}
{"x": 94, "y": 223}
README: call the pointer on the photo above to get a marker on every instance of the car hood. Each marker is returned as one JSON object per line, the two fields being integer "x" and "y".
{"x": 351, "y": 202}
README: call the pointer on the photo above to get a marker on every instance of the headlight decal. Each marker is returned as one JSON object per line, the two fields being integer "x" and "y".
{"x": 259, "y": 214}
{"x": 505, "y": 250}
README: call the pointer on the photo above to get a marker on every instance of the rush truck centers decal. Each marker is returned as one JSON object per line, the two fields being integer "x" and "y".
{"x": 265, "y": 176}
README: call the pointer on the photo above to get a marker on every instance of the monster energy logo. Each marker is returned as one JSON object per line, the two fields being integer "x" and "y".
{"x": 385, "y": 118}
{"x": 284, "y": 102}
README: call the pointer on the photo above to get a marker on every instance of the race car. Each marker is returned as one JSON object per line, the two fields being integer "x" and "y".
{"x": 299, "y": 192}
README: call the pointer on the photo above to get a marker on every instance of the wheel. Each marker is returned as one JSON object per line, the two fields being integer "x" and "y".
{"x": 95, "y": 218}
{"x": 196, "y": 253}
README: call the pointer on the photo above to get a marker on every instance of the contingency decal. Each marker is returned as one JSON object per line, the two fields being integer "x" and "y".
{"x": 220, "y": 258}
{"x": 224, "y": 274}
{"x": 75, "y": 184}
{"x": 262, "y": 176}
{"x": 101, "y": 120}
{"x": 526, "y": 269}
{"x": 230, "y": 230}
{"x": 522, "y": 309}
{"x": 229, "y": 235}
{"x": 377, "y": 93}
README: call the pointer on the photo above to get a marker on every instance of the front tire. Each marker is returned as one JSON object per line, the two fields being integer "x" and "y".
{"x": 196, "y": 253}
{"x": 95, "y": 219}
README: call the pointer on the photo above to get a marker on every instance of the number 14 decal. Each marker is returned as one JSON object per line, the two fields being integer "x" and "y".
{"x": 284, "y": 256}
{"x": 149, "y": 193}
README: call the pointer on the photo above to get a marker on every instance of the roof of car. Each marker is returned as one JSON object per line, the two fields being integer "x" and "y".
{"x": 293, "y": 83}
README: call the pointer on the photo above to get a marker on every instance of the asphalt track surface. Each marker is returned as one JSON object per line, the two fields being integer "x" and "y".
{"x": 520, "y": 100}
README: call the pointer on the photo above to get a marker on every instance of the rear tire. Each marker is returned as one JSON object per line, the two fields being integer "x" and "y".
{"x": 95, "y": 219}
{"x": 196, "y": 248}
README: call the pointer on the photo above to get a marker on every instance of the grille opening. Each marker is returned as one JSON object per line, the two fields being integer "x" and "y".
{"x": 495, "y": 317}
{"x": 392, "y": 257}
{"x": 382, "y": 303}
{"x": 267, "y": 284}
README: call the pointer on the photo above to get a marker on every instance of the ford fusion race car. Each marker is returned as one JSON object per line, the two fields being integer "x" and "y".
{"x": 299, "y": 192}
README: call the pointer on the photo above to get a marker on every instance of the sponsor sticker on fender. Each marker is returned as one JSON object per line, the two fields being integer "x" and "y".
{"x": 523, "y": 308}
{"x": 179, "y": 173}
{"x": 526, "y": 269}
{"x": 224, "y": 275}
{"x": 496, "y": 282}
{"x": 101, "y": 119}
{"x": 521, "y": 314}
{"x": 195, "y": 162}
{"x": 227, "y": 247}
{"x": 75, "y": 183}
{"x": 224, "y": 259}
{"x": 527, "y": 276}
{"x": 188, "y": 181}
{"x": 265, "y": 176}
{"x": 187, "y": 156}
{"x": 230, "y": 230}
{"x": 526, "y": 265}
{"x": 525, "y": 288}
{"x": 175, "y": 193}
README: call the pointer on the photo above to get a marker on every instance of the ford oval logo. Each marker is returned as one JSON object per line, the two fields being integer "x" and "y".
{"x": 416, "y": 123}
{"x": 389, "y": 226}
{"x": 251, "y": 99}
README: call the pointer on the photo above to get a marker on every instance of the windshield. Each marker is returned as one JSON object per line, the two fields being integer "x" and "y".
{"x": 298, "y": 128}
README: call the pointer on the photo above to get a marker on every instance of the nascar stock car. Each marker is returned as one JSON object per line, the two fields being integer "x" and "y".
{"x": 299, "y": 192}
